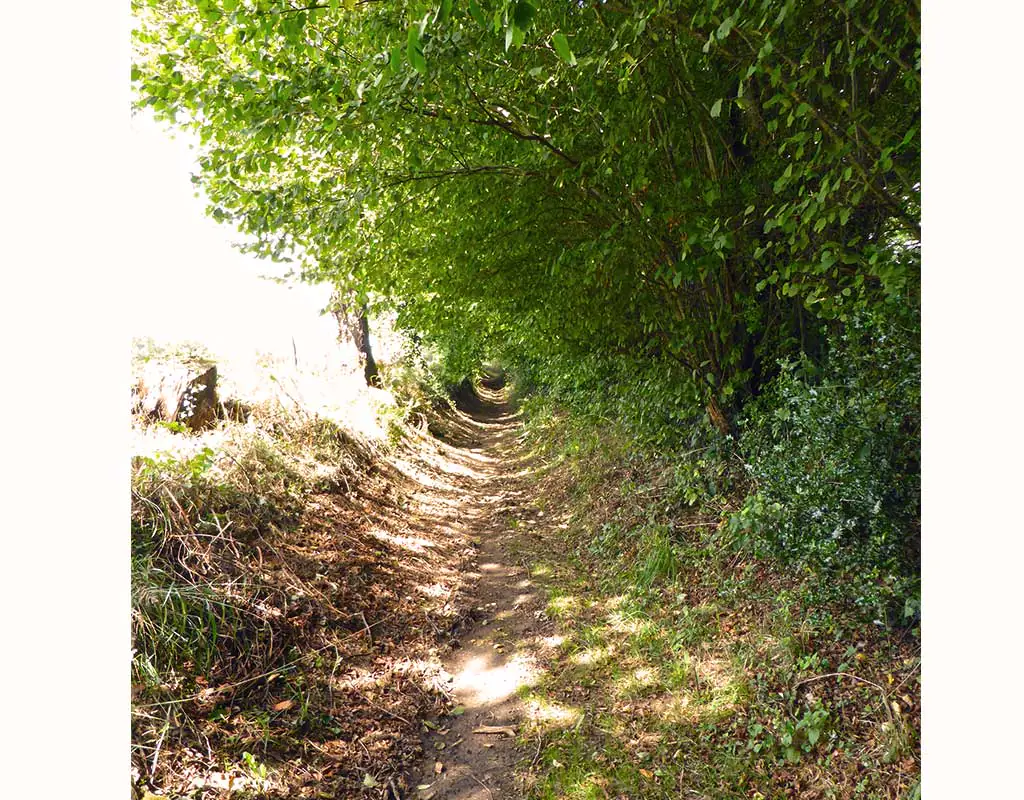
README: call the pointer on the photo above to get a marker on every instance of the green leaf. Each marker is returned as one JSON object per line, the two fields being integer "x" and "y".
{"x": 523, "y": 14}
{"x": 414, "y": 50}
{"x": 446, "y": 10}
{"x": 561, "y": 45}
{"x": 716, "y": 108}
{"x": 476, "y": 13}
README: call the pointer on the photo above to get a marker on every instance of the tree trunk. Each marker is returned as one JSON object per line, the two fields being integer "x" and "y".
{"x": 354, "y": 325}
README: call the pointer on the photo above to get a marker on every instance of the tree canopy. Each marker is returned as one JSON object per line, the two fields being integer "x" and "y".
{"x": 699, "y": 187}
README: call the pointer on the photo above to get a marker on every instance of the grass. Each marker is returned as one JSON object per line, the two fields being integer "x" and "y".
{"x": 274, "y": 609}
{"x": 204, "y": 614}
{"x": 695, "y": 670}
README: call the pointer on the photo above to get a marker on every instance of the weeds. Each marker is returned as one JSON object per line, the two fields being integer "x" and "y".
{"x": 259, "y": 590}
{"x": 702, "y": 669}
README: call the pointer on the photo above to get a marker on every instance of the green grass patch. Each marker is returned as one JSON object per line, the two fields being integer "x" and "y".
{"x": 696, "y": 669}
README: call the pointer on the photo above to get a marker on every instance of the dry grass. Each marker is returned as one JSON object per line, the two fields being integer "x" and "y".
{"x": 291, "y": 586}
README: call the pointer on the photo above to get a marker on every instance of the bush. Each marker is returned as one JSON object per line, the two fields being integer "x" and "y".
{"x": 834, "y": 454}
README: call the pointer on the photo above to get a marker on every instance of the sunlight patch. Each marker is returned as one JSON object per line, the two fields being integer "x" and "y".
{"x": 489, "y": 684}
{"x": 728, "y": 688}
{"x": 634, "y": 684}
{"x": 674, "y": 708}
{"x": 564, "y": 606}
{"x": 414, "y": 543}
{"x": 621, "y": 623}
{"x": 592, "y": 655}
{"x": 551, "y": 714}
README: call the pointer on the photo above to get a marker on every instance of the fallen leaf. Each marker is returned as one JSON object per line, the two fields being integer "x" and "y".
{"x": 284, "y": 705}
{"x": 458, "y": 711}
{"x": 370, "y": 782}
{"x": 438, "y": 768}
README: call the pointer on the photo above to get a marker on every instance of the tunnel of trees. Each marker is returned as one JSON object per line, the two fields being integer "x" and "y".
{"x": 700, "y": 217}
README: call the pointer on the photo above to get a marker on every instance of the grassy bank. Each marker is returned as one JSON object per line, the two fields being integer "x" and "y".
{"x": 690, "y": 665}
{"x": 281, "y": 631}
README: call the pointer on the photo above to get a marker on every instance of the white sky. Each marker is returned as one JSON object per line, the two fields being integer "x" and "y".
{"x": 188, "y": 282}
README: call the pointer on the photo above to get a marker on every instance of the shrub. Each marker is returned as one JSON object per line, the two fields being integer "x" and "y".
{"x": 833, "y": 452}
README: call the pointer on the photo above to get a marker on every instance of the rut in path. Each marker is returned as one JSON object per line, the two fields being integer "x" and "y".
{"x": 497, "y": 652}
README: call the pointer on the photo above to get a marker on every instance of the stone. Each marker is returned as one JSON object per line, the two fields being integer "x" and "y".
{"x": 175, "y": 392}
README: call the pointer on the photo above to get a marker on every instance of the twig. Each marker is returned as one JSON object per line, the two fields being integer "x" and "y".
{"x": 160, "y": 741}
{"x": 489, "y": 792}
{"x": 540, "y": 741}
{"x": 885, "y": 694}
{"x": 369, "y": 635}
{"x": 837, "y": 675}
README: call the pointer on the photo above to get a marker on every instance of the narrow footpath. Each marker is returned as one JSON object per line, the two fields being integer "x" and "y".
{"x": 471, "y": 754}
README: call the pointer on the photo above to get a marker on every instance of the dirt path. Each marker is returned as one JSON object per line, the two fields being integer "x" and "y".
{"x": 496, "y": 652}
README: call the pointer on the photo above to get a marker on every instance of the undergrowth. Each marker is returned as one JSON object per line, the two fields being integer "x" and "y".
{"x": 820, "y": 471}
{"x": 695, "y": 664}
{"x": 272, "y": 617}
{"x": 195, "y": 611}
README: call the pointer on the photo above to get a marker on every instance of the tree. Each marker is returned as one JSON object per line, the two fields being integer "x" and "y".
{"x": 698, "y": 187}
{"x": 354, "y": 326}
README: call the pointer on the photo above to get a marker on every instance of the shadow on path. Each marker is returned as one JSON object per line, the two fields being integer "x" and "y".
{"x": 496, "y": 653}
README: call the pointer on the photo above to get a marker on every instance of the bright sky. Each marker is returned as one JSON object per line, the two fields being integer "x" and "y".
{"x": 187, "y": 280}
